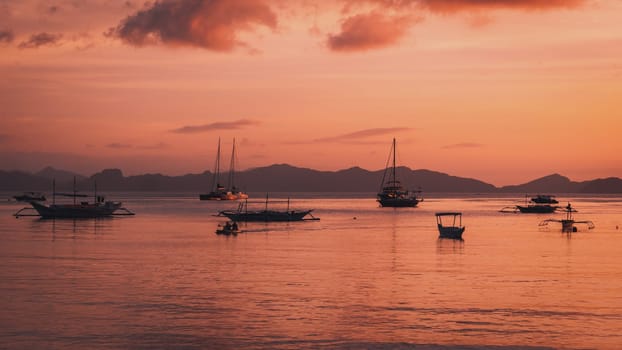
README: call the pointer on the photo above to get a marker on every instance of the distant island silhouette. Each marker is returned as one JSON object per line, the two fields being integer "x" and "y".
{"x": 287, "y": 178}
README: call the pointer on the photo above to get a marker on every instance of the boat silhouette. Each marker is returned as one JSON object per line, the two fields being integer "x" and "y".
{"x": 392, "y": 193}
{"x": 220, "y": 192}
{"x": 99, "y": 207}
{"x": 450, "y": 231}
{"x": 242, "y": 213}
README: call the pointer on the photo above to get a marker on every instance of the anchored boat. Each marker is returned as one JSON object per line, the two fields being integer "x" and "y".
{"x": 540, "y": 204}
{"x": 568, "y": 223}
{"x": 454, "y": 230}
{"x": 219, "y": 192}
{"x": 544, "y": 199}
{"x": 392, "y": 193}
{"x": 243, "y": 214}
{"x": 82, "y": 209}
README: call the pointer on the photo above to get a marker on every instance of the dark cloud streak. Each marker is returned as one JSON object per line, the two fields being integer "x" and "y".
{"x": 41, "y": 39}
{"x": 363, "y": 134}
{"x": 463, "y": 145}
{"x": 234, "y": 125}
{"x": 117, "y": 145}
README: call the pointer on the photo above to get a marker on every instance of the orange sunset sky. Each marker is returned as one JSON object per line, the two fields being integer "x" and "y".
{"x": 500, "y": 90}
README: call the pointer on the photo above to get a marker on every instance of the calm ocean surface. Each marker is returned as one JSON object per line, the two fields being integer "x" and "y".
{"x": 362, "y": 277}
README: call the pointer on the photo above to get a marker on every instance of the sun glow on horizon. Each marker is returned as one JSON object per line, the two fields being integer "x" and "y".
{"x": 504, "y": 94}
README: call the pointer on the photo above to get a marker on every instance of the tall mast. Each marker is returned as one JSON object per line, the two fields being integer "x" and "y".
{"x": 216, "y": 168}
{"x": 230, "y": 184}
{"x": 74, "y": 190}
{"x": 394, "y": 151}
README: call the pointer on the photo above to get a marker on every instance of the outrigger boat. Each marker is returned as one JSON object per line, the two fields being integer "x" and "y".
{"x": 454, "y": 231}
{"x": 541, "y": 204}
{"x": 568, "y": 224}
{"x": 243, "y": 214}
{"x": 392, "y": 193}
{"x": 98, "y": 208}
{"x": 30, "y": 196}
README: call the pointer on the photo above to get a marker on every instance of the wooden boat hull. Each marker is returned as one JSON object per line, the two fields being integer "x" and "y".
{"x": 398, "y": 202}
{"x": 225, "y": 196}
{"x": 209, "y": 197}
{"x": 227, "y": 232}
{"x": 450, "y": 232}
{"x": 266, "y": 215}
{"x": 536, "y": 209}
{"x": 76, "y": 211}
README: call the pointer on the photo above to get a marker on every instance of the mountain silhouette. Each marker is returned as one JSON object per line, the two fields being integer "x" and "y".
{"x": 288, "y": 178}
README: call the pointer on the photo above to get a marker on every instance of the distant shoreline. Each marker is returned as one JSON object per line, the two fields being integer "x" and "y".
{"x": 287, "y": 178}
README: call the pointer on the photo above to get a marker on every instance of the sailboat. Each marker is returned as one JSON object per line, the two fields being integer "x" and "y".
{"x": 392, "y": 194}
{"x": 232, "y": 192}
{"x": 217, "y": 189}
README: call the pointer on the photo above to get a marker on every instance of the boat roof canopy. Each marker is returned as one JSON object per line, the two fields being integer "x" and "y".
{"x": 448, "y": 213}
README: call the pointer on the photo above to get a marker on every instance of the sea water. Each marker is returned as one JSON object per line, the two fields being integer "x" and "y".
{"x": 362, "y": 277}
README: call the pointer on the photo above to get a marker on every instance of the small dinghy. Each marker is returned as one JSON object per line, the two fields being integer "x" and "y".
{"x": 454, "y": 231}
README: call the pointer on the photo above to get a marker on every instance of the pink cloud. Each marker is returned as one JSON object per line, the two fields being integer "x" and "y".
{"x": 369, "y": 31}
{"x": 41, "y": 39}
{"x": 212, "y": 25}
{"x": 389, "y": 20}
{"x": 234, "y": 125}
{"x": 459, "y": 5}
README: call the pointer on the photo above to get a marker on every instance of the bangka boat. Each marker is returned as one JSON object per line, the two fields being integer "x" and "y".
{"x": 537, "y": 209}
{"x": 454, "y": 231}
{"x": 533, "y": 206}
{"x": 84, "y": 209}
{"x": 243, "y": 214}
{"x": 568, "y": 223}
{"x": 392, "y": 193}
{"x": 30, "y": 196}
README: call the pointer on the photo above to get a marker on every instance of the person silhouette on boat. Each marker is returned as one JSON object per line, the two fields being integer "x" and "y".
{"x": 228, "y": 226}
{"x": 234, "y": 226}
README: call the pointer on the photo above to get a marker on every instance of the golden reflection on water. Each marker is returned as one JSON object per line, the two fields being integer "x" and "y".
{"x": 163, "y": 279}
